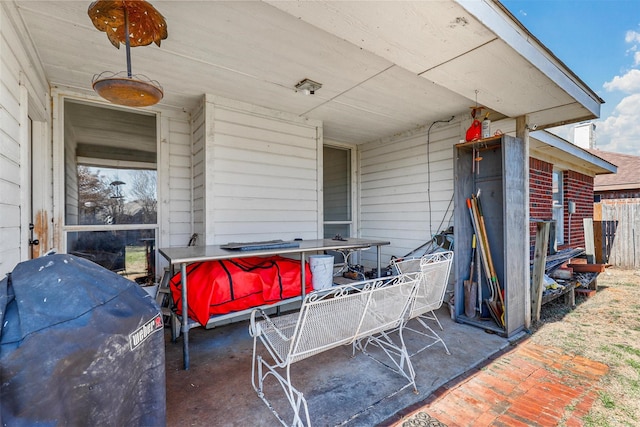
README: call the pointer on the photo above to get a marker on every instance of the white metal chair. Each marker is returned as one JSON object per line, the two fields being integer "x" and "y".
{"x": 435, "y": 268}
{"x": 329, "y": 318}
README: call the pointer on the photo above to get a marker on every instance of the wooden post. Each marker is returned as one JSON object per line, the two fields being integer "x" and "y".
{"x": 570, "y": 297}
{"x": 598, "y": 241}
{"x": 522, "y": 132}
{"x": 539, "y": 260}
{"x": 597, "y": 232}
{"x": 522, "y": 128}
{"x": 597, "y": 211}
{"x": 587, "y": 224}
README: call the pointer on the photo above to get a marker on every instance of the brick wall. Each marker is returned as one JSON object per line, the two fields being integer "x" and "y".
{"x": 619, "y": 194}
{"x": 540, "y": 195}
{"x": 577, "y": 188}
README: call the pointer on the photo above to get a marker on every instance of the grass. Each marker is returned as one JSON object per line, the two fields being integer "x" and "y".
{"x": 607, "y": 400}
{"x": 612, "y": 351}
{"x": 135, "y": 255}
{"x": 596, "y": 421}
{"x": 628, "y": 349}
{"x": 135, "y": 262}
{"x": 604, "y": 328}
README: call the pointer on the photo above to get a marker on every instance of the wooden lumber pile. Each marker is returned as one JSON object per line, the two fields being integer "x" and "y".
{"x": 559, "y": 258}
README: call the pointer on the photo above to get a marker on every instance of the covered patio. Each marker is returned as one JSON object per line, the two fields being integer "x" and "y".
{"x": 241, "y": 154}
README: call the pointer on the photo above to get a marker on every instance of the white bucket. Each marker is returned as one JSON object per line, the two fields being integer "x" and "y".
{"x": 321, "y": 271}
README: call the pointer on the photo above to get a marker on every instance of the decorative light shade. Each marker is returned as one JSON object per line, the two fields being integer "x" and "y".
{"x": 133, "y": 23}
{"x": 145, "y": 23}
{"x": 134, "y": 91}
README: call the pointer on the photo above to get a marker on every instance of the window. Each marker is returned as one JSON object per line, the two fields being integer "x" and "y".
{"x": 338, "y": 199}
{"x": 110, "y": 184}
{"x": 338, "y": 216}
{"x": 558, "y": 205}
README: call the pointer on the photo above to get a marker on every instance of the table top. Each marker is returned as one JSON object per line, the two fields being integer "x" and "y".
{"x": 216, "y": 252}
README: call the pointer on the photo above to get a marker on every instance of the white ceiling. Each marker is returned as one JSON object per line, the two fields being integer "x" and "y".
{"x": 386, "y": 66}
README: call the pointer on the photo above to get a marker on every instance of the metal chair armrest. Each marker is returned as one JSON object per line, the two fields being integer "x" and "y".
{"x": 253, "y": 326}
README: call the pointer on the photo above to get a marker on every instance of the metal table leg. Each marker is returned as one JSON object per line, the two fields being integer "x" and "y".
{"x": 303, "y": 274}
{"x": 185, "y": 316}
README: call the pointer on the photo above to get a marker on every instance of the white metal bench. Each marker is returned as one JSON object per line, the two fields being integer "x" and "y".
{"x": 435, "y": 268}
{"x": 329, "y": 318}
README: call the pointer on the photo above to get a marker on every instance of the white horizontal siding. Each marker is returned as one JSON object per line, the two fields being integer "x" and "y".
{"x": 180, "y": 172}
{"x": 261, "y": 174}
{"x": 179, "y": 196}
{"x": 10, "y": 123}
{"x": 180, "y": 179}
{"x": 198, "y": 159}
{"x": 406, "y": 188}
{"x": 16, "y": 74}
{"x": 9, "y": 256}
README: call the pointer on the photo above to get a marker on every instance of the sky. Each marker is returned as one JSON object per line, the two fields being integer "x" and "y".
{"x": 599, "y": 40}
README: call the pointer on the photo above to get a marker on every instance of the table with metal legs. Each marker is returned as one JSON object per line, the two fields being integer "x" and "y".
{"x": 186, "y": 255}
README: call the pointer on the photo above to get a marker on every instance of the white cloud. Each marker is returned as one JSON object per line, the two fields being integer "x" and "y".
{"x": 620, "y": 132}
{"x": 632, "y": 37}
{"x": 565, "y": 132}
{"x": 628, "y": 83}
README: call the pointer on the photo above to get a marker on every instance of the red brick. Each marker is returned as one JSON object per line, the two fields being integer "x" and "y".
{"x": 573, "y": 422}
{"x": 486, "y": 419}
{"x": 506, "y": 420}
{"x": 527, "y": 386}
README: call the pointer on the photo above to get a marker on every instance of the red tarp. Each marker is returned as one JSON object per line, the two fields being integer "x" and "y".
{"x": 220, "y": 287}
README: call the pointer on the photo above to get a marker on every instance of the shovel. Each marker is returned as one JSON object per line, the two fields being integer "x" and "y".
{"x": 471, "y": 287}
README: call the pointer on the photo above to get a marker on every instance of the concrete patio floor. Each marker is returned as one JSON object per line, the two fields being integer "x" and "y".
{"x": 340, "y": 390}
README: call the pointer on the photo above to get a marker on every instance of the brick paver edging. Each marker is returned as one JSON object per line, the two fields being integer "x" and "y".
{"x": 528, "y": 385}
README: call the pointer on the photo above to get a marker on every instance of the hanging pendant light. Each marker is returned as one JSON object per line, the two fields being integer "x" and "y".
{"x": 132, "y": 23}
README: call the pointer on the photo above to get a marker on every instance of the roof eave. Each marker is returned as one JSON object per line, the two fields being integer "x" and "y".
{"x": 506, "y": 26}
{"x": 599, "y": 165}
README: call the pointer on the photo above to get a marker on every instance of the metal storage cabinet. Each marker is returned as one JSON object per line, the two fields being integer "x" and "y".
{"x": 502, "y": 179}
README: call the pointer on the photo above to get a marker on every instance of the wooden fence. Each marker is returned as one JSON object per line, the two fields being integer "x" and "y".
{"x": 617, "y": 232}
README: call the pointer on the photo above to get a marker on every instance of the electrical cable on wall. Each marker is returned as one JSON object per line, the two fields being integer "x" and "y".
{"x": 445, "y": 214}
{"x": 429, "y": 172}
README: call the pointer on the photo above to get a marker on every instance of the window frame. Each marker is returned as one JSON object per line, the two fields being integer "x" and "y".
{"x": 353, "y": 222}
{"x": 557, "y": 207}
{"x": 61, "y": 228}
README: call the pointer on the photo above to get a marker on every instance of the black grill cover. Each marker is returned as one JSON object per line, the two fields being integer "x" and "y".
{"x": 79, "y": 346}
